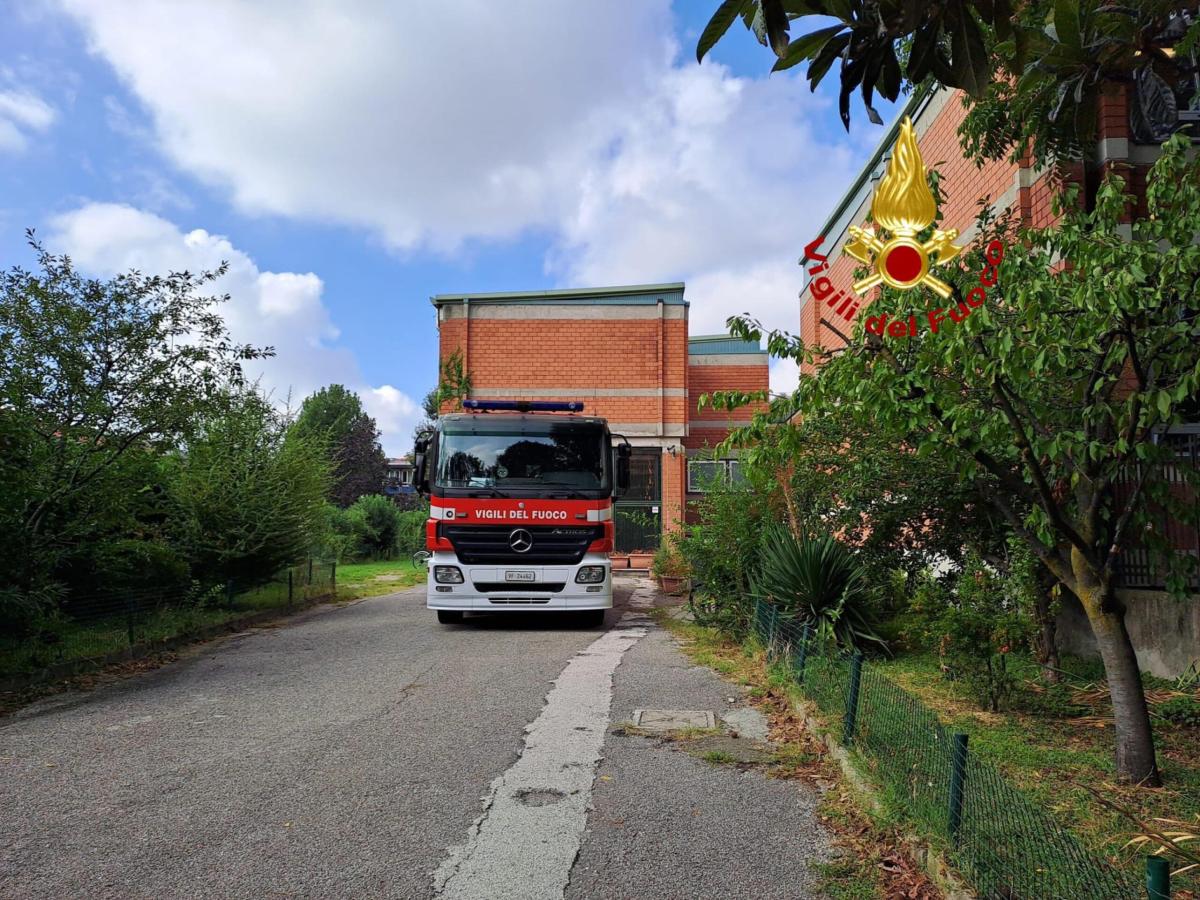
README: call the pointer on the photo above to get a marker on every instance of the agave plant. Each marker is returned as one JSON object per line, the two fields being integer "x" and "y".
{"x": 817, "y": 581}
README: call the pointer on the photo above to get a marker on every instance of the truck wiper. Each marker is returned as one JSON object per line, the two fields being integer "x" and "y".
{"x": 564, "y": 489}
{"x": 491, "y": 492}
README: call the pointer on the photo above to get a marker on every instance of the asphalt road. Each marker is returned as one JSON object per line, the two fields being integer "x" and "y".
{"x": 366, "y": 751}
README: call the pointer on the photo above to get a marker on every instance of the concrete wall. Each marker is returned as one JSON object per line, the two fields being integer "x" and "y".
{"x": 1165, "y": 631}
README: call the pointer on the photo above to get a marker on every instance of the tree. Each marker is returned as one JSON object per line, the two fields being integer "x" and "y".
{"x": 454, "y": 386}
{"x": 93, "y": 374}
{"x": 1057, "y": 389}
{"x": 1033, "y": 70}
{"x": 249, "y": 493}
{"x": 335, "y": 416}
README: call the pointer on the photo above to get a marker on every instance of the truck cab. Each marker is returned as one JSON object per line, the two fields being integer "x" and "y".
{"x": 520, "y": 509}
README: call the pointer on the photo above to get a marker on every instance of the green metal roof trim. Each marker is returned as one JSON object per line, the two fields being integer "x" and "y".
{"x": 621, "y": 295}
{"x": 706, "y": 344}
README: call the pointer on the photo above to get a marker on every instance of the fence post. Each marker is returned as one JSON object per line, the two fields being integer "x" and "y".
{"x": 229, "y": 592}
{"x": 290, "y": 586}
{"x": 802, "y": 654}
{"x": 958, "y": 778}
{"x": 852, "y": 699}
{"x": 309, "y": 570}
{"x": 1158, "y": 878}
{"x": 333, "y": 577}
{"x": 129, "y": 619}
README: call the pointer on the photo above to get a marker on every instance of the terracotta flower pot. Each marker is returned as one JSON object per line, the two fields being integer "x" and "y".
{"x": 640, "y": 560}
{"x": 673, "y": 585}
{"x": 620, "y": 562}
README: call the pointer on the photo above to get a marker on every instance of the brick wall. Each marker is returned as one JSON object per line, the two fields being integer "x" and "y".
{"x": 617, "y": 366}
{"x": 1001, "y": 183}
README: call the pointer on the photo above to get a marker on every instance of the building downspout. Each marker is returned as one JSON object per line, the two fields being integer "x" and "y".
{"x": 662, "y": 414}
{"x": 466, "y": 335}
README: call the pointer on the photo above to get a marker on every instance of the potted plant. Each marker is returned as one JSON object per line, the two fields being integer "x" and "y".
{"x": 640, "y": 559}
{"x": 671, "y": 569}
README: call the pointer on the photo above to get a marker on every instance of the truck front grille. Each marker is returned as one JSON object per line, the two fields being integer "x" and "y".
{"x": 553, "y": 545}
{"x": 507, "y": 587}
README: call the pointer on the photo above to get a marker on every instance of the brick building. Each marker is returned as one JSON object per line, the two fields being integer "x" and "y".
{"x": 626, "y": 353}
{"x": 1019, "y": 186}
{"x": 1165, "y": 633}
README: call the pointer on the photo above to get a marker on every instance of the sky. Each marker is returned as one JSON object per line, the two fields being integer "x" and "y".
{"x": 350, "y": 159}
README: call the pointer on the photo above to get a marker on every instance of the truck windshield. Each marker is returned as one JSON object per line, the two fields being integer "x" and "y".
{"x": 563, "y": 456}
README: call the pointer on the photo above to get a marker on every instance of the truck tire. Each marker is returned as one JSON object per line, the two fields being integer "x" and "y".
{"x": 592, "y": 618}
{"x": 450, "y": 616}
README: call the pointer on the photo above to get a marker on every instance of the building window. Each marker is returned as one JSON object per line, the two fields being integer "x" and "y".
{"x": 703, "y": 472}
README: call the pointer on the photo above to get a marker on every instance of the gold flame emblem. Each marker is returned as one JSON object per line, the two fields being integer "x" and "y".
{"x": 903, "y": 206}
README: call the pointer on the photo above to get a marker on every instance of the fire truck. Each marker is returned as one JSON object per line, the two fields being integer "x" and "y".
{"x": 520, "y": 509}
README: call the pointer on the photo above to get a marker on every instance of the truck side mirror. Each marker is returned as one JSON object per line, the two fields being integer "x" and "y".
{"x": 420, "y": 476}
{"x": 623, "y": 452}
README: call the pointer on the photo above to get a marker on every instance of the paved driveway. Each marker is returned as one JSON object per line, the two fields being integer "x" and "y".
{"x": 366, "y": 751}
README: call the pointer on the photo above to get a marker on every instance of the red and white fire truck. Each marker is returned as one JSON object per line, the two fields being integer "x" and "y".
{"x": 520, "y": 509}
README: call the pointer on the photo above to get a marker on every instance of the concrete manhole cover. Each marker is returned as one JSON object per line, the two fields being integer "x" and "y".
{"x": 673, "y": 719}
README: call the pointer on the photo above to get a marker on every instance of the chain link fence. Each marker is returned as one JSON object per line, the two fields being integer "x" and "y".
{"x": 1004, "y": 844}
{"x": 85, "y": 631}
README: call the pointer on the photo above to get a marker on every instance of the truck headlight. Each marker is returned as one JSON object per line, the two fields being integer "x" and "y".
{"x": 447, "y": 575}
{"x": 590, "y": 575}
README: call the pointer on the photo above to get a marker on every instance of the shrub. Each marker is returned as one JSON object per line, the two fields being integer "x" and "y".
{"x": 375, "y": 523}
{"x": 820, "y": 582}
{"x": 721, "y": 552}
{"x": 975, "y": 626}
{"x": 248, "y": 495}
{"x": 669, "y": 562}
{"x": 410, "y": 535}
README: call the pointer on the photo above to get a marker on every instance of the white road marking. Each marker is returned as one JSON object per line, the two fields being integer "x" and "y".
{"x": 524, "y": 844}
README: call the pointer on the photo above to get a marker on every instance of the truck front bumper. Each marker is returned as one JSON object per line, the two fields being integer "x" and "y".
{"x": 492, "y": 588}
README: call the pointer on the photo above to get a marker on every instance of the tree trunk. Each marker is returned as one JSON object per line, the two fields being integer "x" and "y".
{"x": 1046, "y": 642}
{"x": 1135, "y": 740}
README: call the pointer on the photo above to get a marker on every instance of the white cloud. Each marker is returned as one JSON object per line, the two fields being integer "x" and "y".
{"x": 718, "y": 180}
{"x": 21, "y": 113}
{"x": 283, "y": 310}
{"x": 425, "y": 123}
{"x": 429, "y": 125}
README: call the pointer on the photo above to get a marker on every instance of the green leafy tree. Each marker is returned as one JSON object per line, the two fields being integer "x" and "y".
{"x": 1033, "y": 71}
{"x": 1057, "y": 389}
{"x": 97, "y": 379}
{"x": 249, "y": 493}
{"x": 335, "y": 416}
{"x": 454, "y": 386}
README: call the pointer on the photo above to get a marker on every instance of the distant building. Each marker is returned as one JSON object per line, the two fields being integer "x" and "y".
{"x": 399, "y": 477}
{"x": 626, "y": 353}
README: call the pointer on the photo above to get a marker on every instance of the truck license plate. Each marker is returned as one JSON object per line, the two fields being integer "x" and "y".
{"x": 519, "y": 576}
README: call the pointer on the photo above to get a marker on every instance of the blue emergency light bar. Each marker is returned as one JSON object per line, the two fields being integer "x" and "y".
{"x": 524, "y": 405}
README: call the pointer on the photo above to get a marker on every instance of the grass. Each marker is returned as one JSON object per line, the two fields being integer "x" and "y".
{"x": 103, "y": 634}
{"x": 373, "y": 579}
{"x": 1051, "y": 754}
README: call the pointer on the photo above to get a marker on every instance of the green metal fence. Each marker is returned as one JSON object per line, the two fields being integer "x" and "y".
{"x": 1004, "y": 844}
{"x": 86, "y": 630}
